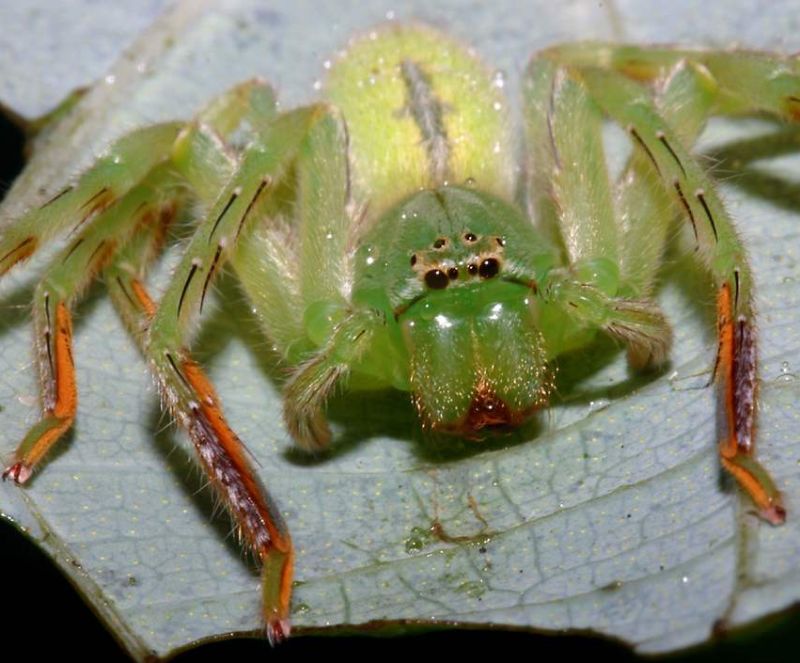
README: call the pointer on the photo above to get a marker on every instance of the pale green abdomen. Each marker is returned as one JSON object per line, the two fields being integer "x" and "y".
{"x": 420, "y": 112}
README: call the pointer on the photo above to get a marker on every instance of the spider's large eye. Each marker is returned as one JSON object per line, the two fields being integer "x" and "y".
{"x": 489, "y": 268}
{"x": 436, "y": 279}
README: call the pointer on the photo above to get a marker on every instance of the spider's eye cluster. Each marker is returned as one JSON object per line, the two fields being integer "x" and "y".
{"x": 437, "y": 271}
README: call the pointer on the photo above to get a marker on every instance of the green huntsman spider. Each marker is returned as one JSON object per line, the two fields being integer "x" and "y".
{"x": 386, "y": 238}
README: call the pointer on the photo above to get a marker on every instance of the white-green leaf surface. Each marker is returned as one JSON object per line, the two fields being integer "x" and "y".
{"x": 609, "y": 515}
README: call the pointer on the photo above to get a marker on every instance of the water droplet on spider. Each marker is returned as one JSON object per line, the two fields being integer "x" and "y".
{"x": 784, "y": 367}
{"x": 326, "y": 64}
{"x": 685, "y": 580}
{"x": 329, "y": 235}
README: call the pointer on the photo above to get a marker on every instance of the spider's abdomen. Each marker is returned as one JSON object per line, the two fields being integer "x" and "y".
{"x": 421, "y": 111}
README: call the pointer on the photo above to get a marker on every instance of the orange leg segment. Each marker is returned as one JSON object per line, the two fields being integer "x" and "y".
{"x": 736, "y": 376}
{"x": 61, "y": 398}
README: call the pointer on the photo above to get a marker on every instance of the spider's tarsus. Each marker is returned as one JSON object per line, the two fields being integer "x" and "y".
{"x": 278, "y": 630}
{"x": 19, "y": 473}
{"x": 774, "y": 514}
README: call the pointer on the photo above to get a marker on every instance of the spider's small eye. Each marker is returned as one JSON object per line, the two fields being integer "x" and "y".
{"x": 439, "y": 243}
{"x": 500, "y": 241}
{"x": 413, "y": 259}
{"x": 436, "y": 279}
{"x": 472, "y": 268}
{"x": 453, "y": 273}
{"x": 470, "y": 237}
{"x": 489, "y": 268}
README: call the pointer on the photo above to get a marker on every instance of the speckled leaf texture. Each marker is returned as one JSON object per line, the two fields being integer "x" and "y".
{"x": 610, "y": 514}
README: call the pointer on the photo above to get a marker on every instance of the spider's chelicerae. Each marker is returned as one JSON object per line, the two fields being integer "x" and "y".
{"x": 386, "y": 238}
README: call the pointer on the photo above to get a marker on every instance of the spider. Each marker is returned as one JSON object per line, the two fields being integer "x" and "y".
{"x": 386, "y": 238}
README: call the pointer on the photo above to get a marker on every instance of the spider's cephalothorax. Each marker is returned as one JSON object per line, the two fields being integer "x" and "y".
{"x": 380, "y": 240}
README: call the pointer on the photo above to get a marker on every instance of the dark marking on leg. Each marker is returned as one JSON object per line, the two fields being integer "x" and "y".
{"x": 186, "y": 286}
{"x": 793, "y": 106}
{"x": 744, "y": 384}
{"x": 660, "y": 135}
{"x": 428, "y": 113}
{"x": 64, "y": 192}
{"x": 94, "y": 198}
{"x": 209, "y": 275}
{"x": 701, "y": 197}
{"x": 97, "y": 250}
{"x": 72, "y": 248}
{"x": 125, "y": 292}
{"x": 47, "y": 336}
{"x": 736, "y": 289}
{"x": 224, "y": 211}
{"x": 688, "y": 209}
{"x": 643, "y": 145}
{"x": 19, "y": 246}
{"x": 178, "y": 371}
{"x": 261, "y": 187}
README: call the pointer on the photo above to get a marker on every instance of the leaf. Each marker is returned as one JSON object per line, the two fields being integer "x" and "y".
{"x": 610, "y": 515}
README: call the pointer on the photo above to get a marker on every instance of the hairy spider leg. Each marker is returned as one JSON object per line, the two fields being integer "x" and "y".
{"x": 72, "y": 270}
{"x": 318, "y": 329}
{"x": 260, "y": 171}
{"x": 574, "y": 203}
{"x": 122, "y": 166}
{"x": 719, "y": 249}
{"x": 646, "y": 210}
